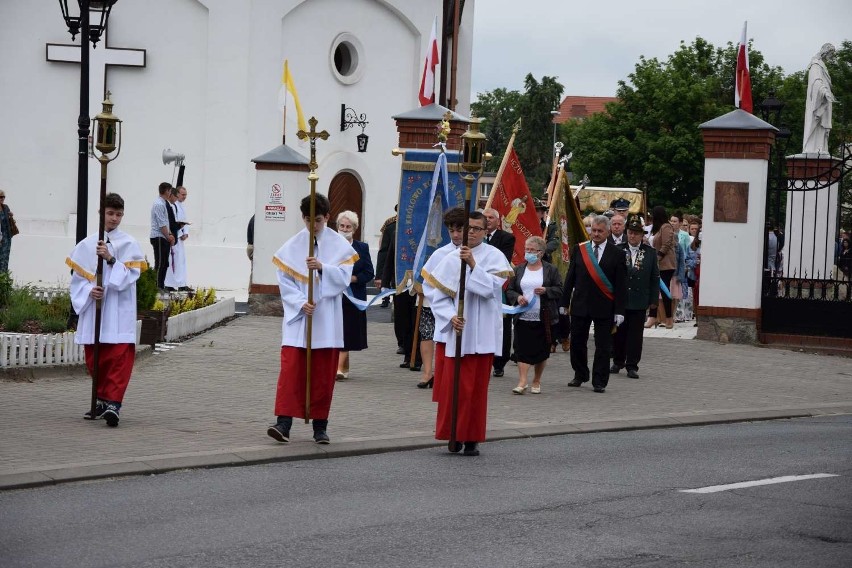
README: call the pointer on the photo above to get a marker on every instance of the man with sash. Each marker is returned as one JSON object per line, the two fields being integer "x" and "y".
{"x": 643, "y": 290}
{"x": 454, "y": 221}
{"x": 597, "y": 277}
{"x": 332, "y": 265}
{"x": 122, "y": 266}
{"x": 486, "y": 271}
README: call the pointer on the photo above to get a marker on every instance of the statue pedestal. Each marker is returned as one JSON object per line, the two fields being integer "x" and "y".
{"x": 811, "y": 215}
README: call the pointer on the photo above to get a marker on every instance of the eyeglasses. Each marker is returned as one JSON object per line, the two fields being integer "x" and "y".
{"x": 476, "y": 229}
{"x": 532, "y": 250}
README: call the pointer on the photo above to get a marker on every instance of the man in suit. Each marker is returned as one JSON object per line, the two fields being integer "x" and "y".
{"x": 643, "y": 290}
{"x": 616, "y": 230}
{"x": 505, "y": 241}
{"x": 597, "y": 276}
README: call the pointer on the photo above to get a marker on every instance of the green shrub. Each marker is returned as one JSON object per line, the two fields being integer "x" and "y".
{"x": 146, "y": 290}
{"x": 5, "y": 288}
{"x": 24, "y": 313}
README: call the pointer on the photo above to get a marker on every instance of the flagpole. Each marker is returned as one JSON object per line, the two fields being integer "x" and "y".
{"x": 499, "y": 178}
{"x": 557, "y": 149}
{"x": 284, "y": 122}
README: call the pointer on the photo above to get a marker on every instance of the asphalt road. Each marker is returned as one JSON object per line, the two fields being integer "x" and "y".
{"x": 591, "y": 500}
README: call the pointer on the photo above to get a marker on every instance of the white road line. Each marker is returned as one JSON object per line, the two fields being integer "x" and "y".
{"x": 770, "y": 481}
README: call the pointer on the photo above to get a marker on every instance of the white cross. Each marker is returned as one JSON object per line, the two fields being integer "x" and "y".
{"x": 100, "y": 59}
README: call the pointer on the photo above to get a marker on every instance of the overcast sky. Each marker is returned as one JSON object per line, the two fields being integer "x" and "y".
{"x": 590, "y": 45}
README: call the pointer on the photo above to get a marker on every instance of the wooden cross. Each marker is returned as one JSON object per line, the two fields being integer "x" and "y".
{"x": 313, "y": 135}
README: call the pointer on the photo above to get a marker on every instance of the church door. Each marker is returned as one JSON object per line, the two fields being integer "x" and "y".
{"x": 345, "y": 193}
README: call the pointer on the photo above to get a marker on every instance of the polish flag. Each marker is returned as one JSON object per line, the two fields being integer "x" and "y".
{"x": 427, "y": 83}
{"x": 742, "y": 86}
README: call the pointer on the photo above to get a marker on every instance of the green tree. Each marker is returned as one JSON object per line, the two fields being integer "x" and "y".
{"x": 499, "y": 110}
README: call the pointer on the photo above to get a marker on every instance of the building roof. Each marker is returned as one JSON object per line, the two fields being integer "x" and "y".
{"x": 282, "y": 155}
{"x": 581, "y": 107}
{"x": 737, "y": 119}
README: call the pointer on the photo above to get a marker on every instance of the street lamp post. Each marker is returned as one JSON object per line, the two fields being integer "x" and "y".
{"x": 80, "y": 24}
{"x": 554, "y": 113}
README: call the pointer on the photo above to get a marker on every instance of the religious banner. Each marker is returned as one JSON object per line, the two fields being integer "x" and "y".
{"x": 511, "y": 197}
{"x": 424, "y": 189}
{"x": 569, "y": 228}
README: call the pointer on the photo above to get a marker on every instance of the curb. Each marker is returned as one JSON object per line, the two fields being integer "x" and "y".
{"x": 302, "y": 451}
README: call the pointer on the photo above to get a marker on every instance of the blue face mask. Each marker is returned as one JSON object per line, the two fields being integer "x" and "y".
{"x": 530, "y": 257}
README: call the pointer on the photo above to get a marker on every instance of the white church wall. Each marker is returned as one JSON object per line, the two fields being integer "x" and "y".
{"x": 209, "y": 90}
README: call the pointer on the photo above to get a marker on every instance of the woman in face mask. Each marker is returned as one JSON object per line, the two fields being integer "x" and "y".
{"x": 539, "y": 280}
{"x": 354, "y": 320}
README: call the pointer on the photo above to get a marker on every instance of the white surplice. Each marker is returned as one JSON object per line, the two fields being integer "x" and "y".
{"x": 428, "y": 290}
{"x": 176, "y": 273}
{"x": 118, "y": 307}
{"x": 483, "y": 330}
{"x": 337, "y": 258}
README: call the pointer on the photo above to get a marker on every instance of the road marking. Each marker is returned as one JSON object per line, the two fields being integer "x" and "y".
{"x": 770, "y": 481}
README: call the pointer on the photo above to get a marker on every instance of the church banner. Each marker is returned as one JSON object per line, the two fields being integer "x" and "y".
{"x": 415, "y": 224}
{"x": 512, "y": 199}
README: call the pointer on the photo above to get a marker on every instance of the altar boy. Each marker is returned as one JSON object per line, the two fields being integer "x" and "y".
{"x": 123, "y": 264}
{"x": 332, "y": 264}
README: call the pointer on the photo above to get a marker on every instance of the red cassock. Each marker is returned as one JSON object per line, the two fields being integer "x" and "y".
{"x": 290, "y": 396}
{"x": 440, "y": 350}
{"x": 473, "y": 396}
{"x": 115, "y": 364}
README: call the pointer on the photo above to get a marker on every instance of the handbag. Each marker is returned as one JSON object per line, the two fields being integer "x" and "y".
{"x": 13, "y": 227}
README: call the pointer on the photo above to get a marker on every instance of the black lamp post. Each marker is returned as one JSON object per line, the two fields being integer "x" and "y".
{"x": 88, "y": 11}
{"x": 350, "y": 117}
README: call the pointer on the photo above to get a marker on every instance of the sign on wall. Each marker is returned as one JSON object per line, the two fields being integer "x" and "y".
{"x": 731, "y": 203}
{"x": 274, "y": 209}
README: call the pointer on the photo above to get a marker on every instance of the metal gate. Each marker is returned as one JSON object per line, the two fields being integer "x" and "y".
{"x": 806, "y": 288}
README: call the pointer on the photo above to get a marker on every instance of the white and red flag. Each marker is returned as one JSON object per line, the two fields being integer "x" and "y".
{"x": 742, "y": 84}
{"x": 427, "y": 82}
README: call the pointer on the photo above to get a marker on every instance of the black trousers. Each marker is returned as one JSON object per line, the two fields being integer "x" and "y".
{"x": 627, "y": 342}
{"x": 579, "y": 350}
{"x": 666, "y": 277}
{"x": 404, "y": 317}
{"x": 500, "y": 362}
{"x": 161, "y": 259}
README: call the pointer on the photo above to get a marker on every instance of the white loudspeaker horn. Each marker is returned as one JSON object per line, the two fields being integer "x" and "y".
{"x": 169, "y": 157}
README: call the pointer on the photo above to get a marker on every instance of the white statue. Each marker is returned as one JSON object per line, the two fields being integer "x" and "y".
{"x": 818, "y": 103}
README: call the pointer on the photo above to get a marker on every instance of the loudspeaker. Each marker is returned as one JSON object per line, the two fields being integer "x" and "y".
{"x": 169, "y": 157}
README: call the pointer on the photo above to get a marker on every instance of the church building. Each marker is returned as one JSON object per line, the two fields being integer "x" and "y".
{"x": 202, "y": 78}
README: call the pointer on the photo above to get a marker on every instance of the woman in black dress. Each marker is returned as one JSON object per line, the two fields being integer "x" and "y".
{"x": 354, "y": 320}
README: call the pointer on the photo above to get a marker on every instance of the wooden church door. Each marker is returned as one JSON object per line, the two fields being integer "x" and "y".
{"x": 345, "y": 194}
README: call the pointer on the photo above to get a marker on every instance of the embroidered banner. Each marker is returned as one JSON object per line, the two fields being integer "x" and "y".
{"x": 415, "y": 189}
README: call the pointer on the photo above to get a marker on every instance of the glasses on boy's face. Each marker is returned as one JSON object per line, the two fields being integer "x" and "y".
{"x": 474, "y": 229}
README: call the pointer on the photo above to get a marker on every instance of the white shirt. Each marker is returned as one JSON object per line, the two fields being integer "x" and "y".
{"x": 436, "y": 257}
{"x": 619, "y": 240}
{"x": 532, "y": 279}
{"x": 483, "y": 330}
{"x": 337, "y": 258}
{"x": 118, "y": 307}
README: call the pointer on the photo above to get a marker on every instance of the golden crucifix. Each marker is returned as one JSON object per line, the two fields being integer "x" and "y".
{"x": 313, "y": 177}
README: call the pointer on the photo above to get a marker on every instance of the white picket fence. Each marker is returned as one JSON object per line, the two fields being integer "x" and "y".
{"x": 41, "y": 350}
{"x": 29, "y": 349}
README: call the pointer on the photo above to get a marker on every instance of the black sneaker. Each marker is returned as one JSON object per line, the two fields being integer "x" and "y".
{"x": 278, "y": 432}
{"x": 110, "y": 414}
{"x": 470, "y": 449}
{"x": 100, "y": 407}
{"x": 320, "y": 436}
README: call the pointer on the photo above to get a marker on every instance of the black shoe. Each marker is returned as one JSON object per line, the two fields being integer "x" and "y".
{"x": 385, "y": 301}
{"x": 404, "y": 364}
{"x": 614, "y": 369}
{"x": 632, "y": 374}
{"x": 426, "y": 384}
{"x": 100, "y": 407}
{"x": 415, "y": 368}
{"x": 470, "y": 449}
{"x": 110, "y": 414}
{"x": 279, "y": 433}
{"x": 400, "y": 351}
{"x": 576, "y": 383}
{"x": 498, "y": 372}
{"x": 454, "y": 448}
{"x": 599, "y": 389}
{"x": 320, "y": 436}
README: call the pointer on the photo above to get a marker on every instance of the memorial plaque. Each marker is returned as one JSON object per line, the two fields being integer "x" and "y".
{"x": 731, "y": 205}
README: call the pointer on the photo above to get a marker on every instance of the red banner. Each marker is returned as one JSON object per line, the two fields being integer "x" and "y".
{"x": 513, "y": 200}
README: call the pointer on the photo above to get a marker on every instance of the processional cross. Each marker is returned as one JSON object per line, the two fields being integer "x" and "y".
{"x": 312, "y": 177}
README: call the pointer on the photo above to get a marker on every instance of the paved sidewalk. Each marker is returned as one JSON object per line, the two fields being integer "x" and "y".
{"x": 208, "y": 402}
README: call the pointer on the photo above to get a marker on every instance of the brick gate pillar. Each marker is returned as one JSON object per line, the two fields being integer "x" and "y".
{"x": 736, "y": 161}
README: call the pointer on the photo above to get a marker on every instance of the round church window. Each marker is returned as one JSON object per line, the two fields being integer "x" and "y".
{"x": 346, "y": 59}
